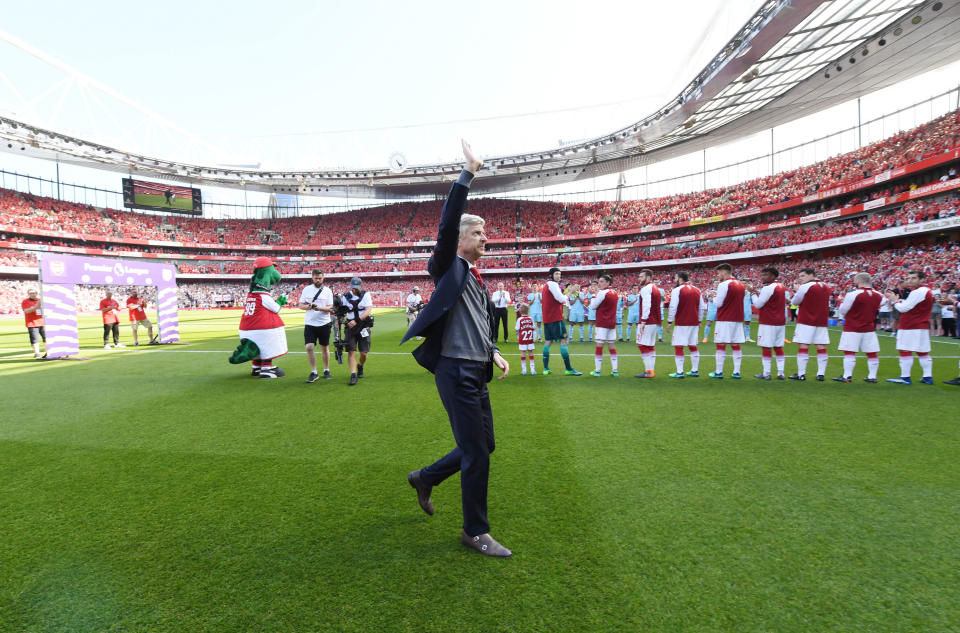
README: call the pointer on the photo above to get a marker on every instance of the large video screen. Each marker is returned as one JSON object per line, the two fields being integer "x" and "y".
{"x": 158, "y": 196}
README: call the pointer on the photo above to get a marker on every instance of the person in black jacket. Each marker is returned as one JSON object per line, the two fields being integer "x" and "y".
{"x": 458, "y": 326}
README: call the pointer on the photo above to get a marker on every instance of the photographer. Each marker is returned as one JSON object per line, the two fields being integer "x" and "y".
{"x": 414, "y": 305}
{"x": 317, "y": 300}
{"x": 358, "y": 306}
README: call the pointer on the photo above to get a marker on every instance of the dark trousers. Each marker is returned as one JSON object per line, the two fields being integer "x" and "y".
{"x": 463, "y": 391}
{"x": 500, "y": 314}
{"x": 107, "y": 329}
{"x": 949, "y": 327}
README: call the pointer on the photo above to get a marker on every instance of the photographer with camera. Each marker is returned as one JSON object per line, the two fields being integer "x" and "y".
{"x": 317, "y": 300}
{"x": 414, "y": 305}
{"x": 358, "y": 307}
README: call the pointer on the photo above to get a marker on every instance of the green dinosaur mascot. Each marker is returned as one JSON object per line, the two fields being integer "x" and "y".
{"x": 262, "y": 337}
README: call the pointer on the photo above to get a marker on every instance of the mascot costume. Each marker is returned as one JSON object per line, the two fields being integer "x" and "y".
{"x": 262, "y": 337}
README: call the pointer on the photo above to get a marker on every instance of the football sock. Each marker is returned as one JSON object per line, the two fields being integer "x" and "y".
{"x": 803, "y": 355}
{"x": 694, "y": 359}
{"x": 706, "y": 332}
{"x": 906, "y": 364}
{"x": 581, "y": 332}
{"x": 678, "y": 358}
{"x": 565, "y": 353}
{"x": 746, "y": 329}
{"x": 781, "y": 360}
{"x": 822, "y": 359}
{"x": 765, "y": 358}
{"x": 737, "y": 357}
{"x": 598, "y": 357}
{"x": 849, "y": 362}
{"x": 873, "y": 364}
{"x": 613, "y": 358}
{"x": 926, "y": 364}
{"x": 721, "y": 356}
{"x": 546, "y": 356}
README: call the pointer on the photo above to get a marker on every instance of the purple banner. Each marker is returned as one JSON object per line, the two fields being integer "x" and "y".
{"x": 60, "y": 273}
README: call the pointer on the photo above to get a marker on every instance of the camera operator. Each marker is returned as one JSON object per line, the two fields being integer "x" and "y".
{"x": 358, "y": 304}
{"x": 317, "y": 300}
{"x": 339, "y": 310}
{"x": 414, "y": 305}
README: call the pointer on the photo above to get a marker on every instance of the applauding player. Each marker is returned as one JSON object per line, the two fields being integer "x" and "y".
{"x": 771, "y": 303}
{"x": 605, "y": 303}
{"x": 686, "y": 309}
{"x": 813, "y": 300}
{"x": 650, "y": 319}
{"x": 859, "y": 313}
{"x": 729, "y": 325}
{"x": 913, "y": 333}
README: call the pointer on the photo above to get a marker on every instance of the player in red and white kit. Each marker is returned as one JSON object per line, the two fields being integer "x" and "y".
{"x": 651, "y": 316}
{"x": 605, "y": 302}
{"x": 137, "y": 308}
{"x": 813, "y": 299}
{"x": 525, "y": 335}
{"x": 729, "y": 324}
{"x": 687, "y": 308}
{"x": 771, "y": 304}
{"x": 913, "y": 333}
{"x": 859, "y": 310}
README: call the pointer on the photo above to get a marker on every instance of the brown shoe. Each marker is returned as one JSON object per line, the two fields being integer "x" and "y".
{"x": 423, "y": 491}
{"x": 485, "y": 545}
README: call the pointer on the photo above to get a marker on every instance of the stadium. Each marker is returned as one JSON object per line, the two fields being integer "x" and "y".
{"x": 178, "y": 456}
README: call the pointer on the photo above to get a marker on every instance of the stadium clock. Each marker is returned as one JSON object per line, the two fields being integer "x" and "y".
{"x": 398, "y": 163}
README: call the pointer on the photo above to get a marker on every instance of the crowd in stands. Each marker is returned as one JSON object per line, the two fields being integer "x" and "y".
{"x": 416, "y": 221}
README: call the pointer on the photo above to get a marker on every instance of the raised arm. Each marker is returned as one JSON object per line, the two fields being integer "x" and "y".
{"x": 448, "y": 235}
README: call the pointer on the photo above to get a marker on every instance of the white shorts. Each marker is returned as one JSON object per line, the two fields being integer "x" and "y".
{"x": 272, "y": 342}
{"x": 604, "y": 334}
{"x": 913, "y": 340}
{"x": 811, "y": 335}
{"x": 526, "y": 347}
{"x": 728, "y": 332}
{"x": 647, "y": 334}
{"x": 859, "y": 342}
{"x": 685, "y": 335}
{"x": 771, "y": 335}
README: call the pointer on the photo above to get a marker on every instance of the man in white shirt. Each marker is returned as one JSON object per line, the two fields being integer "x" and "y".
{"x": 317, "y": 300}
{"x": 359, "y": 305}
{"x": 414, "y": 305}
{"x": 500, "y": 299}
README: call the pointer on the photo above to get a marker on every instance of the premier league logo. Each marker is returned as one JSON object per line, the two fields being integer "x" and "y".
{"x": 118, "y": 269}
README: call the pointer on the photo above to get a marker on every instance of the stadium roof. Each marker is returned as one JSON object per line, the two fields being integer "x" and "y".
{"x": 791, "y": 59}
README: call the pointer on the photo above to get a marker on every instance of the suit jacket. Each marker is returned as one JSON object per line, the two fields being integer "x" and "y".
{"x": 449, "y": 274}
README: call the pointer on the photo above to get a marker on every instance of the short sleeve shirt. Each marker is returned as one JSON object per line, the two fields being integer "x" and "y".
{"x": 317, "y": 318}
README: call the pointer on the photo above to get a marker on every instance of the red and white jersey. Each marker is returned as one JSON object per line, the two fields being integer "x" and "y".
{"x": 137, "y": 307}
{"x": 605, "y": 303}
{"x": 915, "y": 309}
{"x": 651, "y": 304}
{"x": 729, "y": 300}
{"x": 687, "y": 306}
{"x": 813, "y": 298}
{"x": 524, "y": 328}
{"x": 771, "y": 303}
{"x": 859, "y": 310}
{"x": 260, "y": 312}
{"x": 552, "y": 302}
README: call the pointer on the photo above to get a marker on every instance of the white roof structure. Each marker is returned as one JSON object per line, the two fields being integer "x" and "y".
{"x": 791, "y": 59}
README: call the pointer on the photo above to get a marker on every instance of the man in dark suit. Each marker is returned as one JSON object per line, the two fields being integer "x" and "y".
{"x": 458, "y": 325}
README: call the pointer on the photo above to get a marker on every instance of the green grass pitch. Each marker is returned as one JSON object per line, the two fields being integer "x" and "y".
{"x": 162, "y": 489}
{"x": 159, "y": 200}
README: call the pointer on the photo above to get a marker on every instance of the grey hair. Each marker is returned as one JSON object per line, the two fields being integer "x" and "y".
{"x": 862, "y": 278}
{"x": 468, "y": 220}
